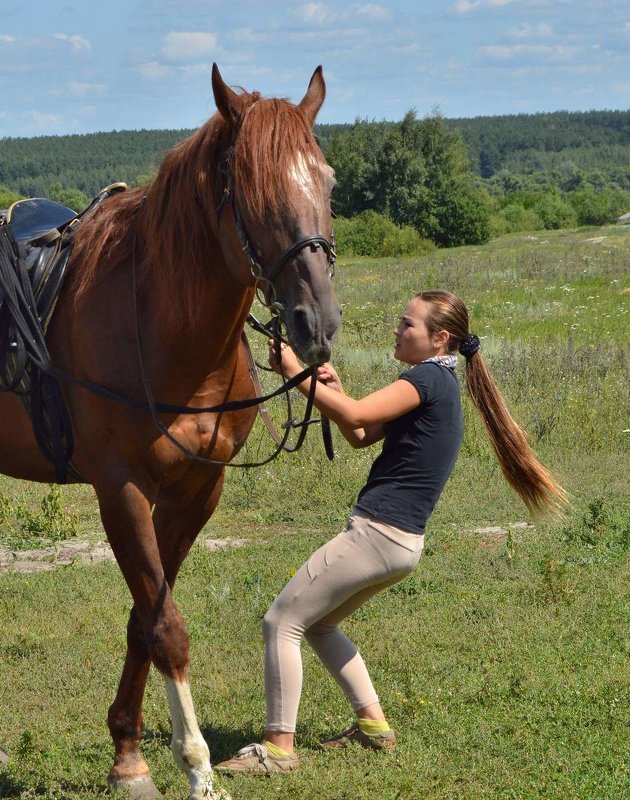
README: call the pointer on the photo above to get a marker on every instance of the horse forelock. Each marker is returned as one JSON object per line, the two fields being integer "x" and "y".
{"x": 275, "y": 149}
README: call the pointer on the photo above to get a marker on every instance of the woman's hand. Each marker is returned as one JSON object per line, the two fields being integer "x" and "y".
{"x": 327, "y": 374}
{"x": 287, "y": 363}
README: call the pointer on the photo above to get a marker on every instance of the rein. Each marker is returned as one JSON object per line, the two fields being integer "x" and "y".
{"x": 232, "y": 405}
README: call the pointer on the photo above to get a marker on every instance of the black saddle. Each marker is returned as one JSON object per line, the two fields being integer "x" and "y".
{"x": 43, "y": 231}
{"x": 36, "y": 239}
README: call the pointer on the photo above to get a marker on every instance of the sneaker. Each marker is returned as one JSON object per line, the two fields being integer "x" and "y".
{"x": 255, "y": 759}
{"x": 371, "y": 741}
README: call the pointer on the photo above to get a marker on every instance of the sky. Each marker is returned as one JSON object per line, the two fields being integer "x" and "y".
{"x": 103, "y": 65}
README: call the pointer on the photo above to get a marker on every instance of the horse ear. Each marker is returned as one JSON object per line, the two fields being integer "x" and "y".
{"x": 229, "y": 103}
{"x": 315, "y": 94}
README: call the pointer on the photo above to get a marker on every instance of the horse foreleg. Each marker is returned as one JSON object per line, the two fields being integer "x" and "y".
{"x": 180, "y": 513}
{"x": 126, "y": 514}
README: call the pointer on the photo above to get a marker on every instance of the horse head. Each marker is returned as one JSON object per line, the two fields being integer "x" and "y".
{"x": 277, "y": 189}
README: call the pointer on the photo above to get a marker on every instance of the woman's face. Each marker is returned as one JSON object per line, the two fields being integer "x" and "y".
{"x": 414, "y": 343}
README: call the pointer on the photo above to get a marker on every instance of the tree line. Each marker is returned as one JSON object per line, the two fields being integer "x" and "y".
{"x": 402, "y": 186}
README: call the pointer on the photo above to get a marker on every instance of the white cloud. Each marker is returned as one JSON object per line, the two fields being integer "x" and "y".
{"x": 626, "y": 27}
{"x": 43, "y": 120}
{"x": 78, "y": 89}
{"x": 544, "y": 71}
{"x": 77, "y": 42}
{"x": 188, "y": 46}
{"x": 247, "y": 36}
{"x": 372, "y": 11}
{"x": 153, "y": 70}
{"x": 313, "y": 12}
{"x": 195, "y": 69}
{"x": 4, "y": 37}
{"x": 464, "y": 6}
{"x": 502, "y": 52}
{"x": 528, "y": 31}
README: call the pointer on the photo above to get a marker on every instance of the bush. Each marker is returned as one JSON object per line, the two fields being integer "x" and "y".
{"x": 593, "y": 208}
{"x": 461, "y": 217}
{"x": 555, "y": 212}
{"x": 372, "y": 234}
{"x": 513, "y": 218}
{"x": 7, "y": 197}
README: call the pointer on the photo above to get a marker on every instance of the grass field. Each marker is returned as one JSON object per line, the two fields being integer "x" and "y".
{"x": 503, "y": 662}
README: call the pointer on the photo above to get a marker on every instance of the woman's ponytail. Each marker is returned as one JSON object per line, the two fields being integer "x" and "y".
{"x": 526, "y": 475}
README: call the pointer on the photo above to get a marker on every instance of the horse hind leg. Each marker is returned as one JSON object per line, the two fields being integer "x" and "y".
{"x": 130, "y": 771}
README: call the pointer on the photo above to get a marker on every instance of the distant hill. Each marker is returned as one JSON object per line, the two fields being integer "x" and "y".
{"x": 87, "y": 162}
{"x": 527, "y": 144}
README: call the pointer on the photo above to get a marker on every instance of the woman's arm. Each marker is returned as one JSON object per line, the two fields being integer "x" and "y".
{"x": 373, "y": 410}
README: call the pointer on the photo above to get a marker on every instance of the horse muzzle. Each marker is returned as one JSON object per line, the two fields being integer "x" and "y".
{"x": 312, "y": 331}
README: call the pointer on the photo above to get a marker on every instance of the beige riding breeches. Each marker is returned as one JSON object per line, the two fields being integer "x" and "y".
{"x": 365, "y": 558}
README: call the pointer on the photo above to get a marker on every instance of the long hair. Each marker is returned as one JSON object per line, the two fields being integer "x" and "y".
{"x": 535, "y": 485}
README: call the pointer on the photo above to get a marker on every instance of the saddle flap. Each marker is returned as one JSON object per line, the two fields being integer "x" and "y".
{"x": 38, "y": 218}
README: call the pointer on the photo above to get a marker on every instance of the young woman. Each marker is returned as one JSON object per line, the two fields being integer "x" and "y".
{"x": 419, "y": 416}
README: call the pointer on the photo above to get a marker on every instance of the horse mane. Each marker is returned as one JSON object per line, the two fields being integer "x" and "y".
{"x": 170, "y": 226}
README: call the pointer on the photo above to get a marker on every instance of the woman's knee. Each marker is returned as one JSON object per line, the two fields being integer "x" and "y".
{"x": 277, "y": 623}
{"x": 274, "y": 621}
{"x": 271, "y": 623}
{"x": 319, "y": 631}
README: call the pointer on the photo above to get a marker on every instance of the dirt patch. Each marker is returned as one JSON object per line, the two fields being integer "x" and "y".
{"x": 64, "y": 554}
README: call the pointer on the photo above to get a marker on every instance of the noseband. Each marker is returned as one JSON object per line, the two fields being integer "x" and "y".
{"x": 264, "y": 281}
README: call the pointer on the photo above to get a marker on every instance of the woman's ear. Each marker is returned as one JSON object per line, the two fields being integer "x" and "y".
{"x": 441, "y": 339}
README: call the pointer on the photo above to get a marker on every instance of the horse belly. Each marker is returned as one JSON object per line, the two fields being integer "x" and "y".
{"x": 20, "y": 456}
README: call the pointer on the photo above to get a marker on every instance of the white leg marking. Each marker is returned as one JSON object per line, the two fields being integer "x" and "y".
{"x": 188, "y": 745}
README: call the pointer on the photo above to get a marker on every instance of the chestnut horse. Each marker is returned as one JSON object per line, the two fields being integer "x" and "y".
{"x": 168, "y": 260}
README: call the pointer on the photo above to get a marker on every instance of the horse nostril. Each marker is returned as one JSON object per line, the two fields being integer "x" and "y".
{"x": 302, "y": 324}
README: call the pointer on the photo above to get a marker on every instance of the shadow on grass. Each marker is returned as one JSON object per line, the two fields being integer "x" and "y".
{"x": 13, "y": 788}
{"x": 10, "y": 787}
{"x": 224, "y": 742}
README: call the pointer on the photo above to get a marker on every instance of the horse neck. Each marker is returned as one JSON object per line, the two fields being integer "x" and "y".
{"x": 208, "y": 335}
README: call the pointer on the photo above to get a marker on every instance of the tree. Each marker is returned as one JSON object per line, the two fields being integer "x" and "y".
{"x": 73, "y": 198}
{"x": 415, "y": 172}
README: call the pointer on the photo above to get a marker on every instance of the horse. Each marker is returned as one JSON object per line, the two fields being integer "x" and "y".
{"x": 158, "y": 287}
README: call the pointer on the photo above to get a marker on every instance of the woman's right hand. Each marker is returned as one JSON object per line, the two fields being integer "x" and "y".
{"x": 327, "y": 374}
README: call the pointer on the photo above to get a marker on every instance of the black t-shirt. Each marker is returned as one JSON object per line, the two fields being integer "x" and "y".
{"x": 419, "y": 452}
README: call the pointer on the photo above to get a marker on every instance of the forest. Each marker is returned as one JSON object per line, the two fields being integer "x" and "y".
{"x": 403, "y": 186}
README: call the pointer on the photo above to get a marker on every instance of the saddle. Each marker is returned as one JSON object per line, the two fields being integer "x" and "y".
{"x": 36, "y": 239}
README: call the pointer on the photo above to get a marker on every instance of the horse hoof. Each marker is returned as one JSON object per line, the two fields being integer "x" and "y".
{"x": 141, "y": 788}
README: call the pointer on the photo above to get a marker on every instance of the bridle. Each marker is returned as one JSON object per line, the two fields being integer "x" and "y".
{"x": 264, "y": 282}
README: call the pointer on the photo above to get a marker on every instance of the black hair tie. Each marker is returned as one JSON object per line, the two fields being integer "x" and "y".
{"x": 469, "y": 345}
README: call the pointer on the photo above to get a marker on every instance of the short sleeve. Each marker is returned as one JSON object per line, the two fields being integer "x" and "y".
{"x": 426, "y": 379}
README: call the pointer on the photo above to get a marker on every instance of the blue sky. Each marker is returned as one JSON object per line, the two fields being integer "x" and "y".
{"x": 101, "y": 65}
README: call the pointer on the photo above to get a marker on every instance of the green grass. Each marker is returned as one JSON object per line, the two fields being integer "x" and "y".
{"x": 503, "y": 662}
